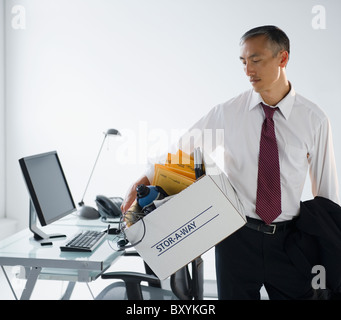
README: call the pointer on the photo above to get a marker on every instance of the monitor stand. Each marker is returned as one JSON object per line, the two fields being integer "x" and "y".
{"x": 37, "y": 233}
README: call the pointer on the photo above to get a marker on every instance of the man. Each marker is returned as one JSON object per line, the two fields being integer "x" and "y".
{"x": 272, "y": 136}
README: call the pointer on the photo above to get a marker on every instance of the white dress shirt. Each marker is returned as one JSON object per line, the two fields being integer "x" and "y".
{"x": 304, "y": 141}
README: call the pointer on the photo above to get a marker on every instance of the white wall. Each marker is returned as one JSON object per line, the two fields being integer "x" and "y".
{"x": 2, "y": 109}
{"x": 146, "y": 67}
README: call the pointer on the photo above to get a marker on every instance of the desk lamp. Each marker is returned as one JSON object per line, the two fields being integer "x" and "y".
{"x": 88, "y": 212}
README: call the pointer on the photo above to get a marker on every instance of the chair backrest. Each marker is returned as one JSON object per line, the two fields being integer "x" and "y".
{"x": 188, "y": 285}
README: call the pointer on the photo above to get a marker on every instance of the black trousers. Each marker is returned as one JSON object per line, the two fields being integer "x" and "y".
{"x": 248, "y": 259}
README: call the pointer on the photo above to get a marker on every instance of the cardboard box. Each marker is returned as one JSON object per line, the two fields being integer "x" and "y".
{"x": 189, "y": 224}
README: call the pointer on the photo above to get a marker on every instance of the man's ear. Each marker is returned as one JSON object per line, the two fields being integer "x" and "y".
{"x": 284, "y": 55}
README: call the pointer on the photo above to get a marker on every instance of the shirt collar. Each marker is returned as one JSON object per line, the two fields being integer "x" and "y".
{"x": 285, "y": 105}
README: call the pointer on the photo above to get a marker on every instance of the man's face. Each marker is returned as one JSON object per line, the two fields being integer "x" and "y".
{"x": 260, "y": 65}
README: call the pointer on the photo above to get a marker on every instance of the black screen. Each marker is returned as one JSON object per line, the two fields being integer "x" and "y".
{"x": 47, "y": 186}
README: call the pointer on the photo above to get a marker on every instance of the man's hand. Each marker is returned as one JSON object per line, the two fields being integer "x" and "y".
{"x": 131, "y": 194}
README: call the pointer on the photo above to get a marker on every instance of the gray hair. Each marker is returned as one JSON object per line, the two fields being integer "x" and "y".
{"x": 277, "y": 38}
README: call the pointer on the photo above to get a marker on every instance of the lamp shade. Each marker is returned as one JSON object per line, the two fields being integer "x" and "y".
{"x": 113, "y": 132}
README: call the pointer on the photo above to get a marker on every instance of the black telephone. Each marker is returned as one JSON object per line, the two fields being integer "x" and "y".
{"x": 109, "y": 207}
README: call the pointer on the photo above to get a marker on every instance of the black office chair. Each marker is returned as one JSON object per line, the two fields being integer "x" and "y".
{"x": 185, "y": 284}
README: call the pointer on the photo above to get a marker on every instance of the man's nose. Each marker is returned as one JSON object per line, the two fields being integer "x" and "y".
{"x": 249, "y": 71}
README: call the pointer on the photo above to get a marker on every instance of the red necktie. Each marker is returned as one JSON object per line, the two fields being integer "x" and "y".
{"x": 268, "y": 203}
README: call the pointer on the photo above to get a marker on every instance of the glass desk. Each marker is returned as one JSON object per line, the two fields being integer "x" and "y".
{"x": 49, "y": 262}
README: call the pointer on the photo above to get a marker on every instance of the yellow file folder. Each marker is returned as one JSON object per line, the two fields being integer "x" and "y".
{"x": 172, "y": 182}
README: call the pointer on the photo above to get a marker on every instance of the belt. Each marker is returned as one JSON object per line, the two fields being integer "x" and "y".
{"x": 260, "y": 226}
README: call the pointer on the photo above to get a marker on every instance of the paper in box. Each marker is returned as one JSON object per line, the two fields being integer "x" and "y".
{"x": 189, "y": 224}
{"x": 171, "y": 182}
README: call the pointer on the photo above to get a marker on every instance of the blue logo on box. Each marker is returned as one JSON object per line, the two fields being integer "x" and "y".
{"x": 181, "y": 233}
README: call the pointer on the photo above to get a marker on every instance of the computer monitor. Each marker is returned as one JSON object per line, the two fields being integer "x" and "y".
{"x": 50, "y": 195}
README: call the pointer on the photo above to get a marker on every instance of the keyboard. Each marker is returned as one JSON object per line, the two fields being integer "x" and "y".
{"x": 85, "y": 241}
